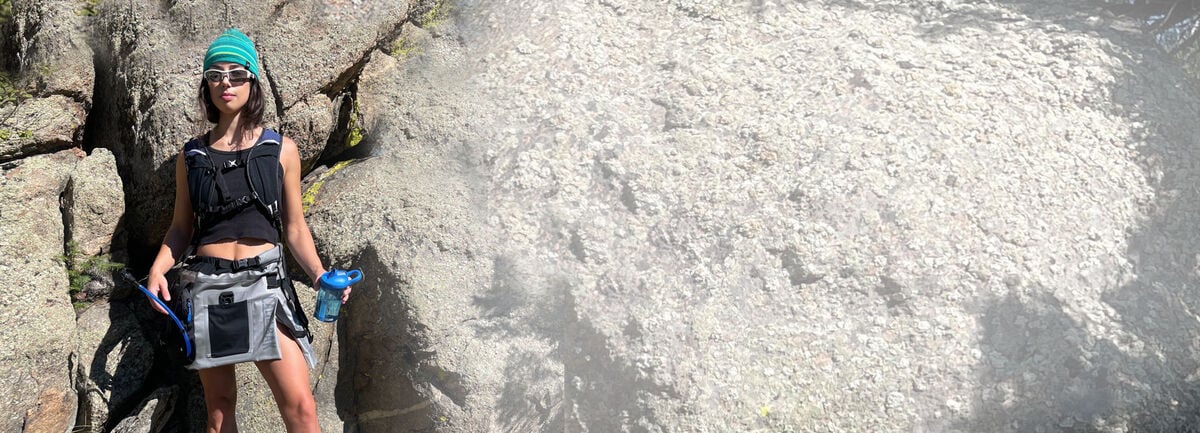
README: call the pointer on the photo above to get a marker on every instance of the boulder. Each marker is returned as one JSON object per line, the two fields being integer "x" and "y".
{"x": 94, "y": 203}
{"x": 412, "y": 358}
{"x": 416, "y": 244}
{"x": 113, "y": 359}
{"x": 40, "y": 125}
{"x": 36, "y": 319}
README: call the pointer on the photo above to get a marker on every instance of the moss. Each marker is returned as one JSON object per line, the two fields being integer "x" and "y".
{"x": 404, "y": 48}
{"x": 5, "y": 11}
{"x": 355, "y": 137}
{"x": 89, "y": 8}
{"x": 436, "y": 15}
{"x": 310, "y": 195}
{"x": 5, "y": 134}
{"x": 356, "y": 132}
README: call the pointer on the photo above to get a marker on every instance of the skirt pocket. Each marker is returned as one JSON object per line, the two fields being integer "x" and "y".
{"x": 229, "y": 328}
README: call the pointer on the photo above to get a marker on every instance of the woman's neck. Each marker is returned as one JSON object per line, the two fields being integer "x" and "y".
{"x": 231, "y": 132}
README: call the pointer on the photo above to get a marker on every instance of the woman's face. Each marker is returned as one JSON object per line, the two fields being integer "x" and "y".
{"x": 228, "y": 86}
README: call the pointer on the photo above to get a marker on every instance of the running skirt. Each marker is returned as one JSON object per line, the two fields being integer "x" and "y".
{"x": 233, "y": 306}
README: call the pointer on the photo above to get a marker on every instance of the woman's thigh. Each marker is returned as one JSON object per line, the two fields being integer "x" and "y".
{"x": 220, "y": 383}
{"x": 287, "y": 376}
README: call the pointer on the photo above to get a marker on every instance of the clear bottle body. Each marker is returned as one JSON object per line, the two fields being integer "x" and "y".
{"x": 329, "y": 304}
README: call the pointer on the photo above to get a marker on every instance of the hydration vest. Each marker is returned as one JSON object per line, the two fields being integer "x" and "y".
{"x": 209, "y": 195}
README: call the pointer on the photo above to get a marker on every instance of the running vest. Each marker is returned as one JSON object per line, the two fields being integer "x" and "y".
{"x": 210, "y": 197}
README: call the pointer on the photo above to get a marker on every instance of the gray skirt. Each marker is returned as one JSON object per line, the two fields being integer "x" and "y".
{"x": 233, "y": 307}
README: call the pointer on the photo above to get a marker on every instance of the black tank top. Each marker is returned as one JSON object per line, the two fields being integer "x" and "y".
{"x": 250, "y": 221}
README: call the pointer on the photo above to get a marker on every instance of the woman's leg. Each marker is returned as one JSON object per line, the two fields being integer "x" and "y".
{"x": 288, "y": 379}
{"x": 220, "y": 396}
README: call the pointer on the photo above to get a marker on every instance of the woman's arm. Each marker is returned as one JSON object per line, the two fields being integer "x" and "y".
{"x": 176, "y": 241}
{"x": 299, "y": 237}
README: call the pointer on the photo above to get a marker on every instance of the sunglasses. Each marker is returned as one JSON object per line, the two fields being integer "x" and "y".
{"x": 236, "y": 76}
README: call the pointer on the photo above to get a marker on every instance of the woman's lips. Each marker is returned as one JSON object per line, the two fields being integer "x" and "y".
{"x": 227, "y": 98}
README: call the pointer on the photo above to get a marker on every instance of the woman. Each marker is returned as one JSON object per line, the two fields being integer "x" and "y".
{"x": 221, "y": 180}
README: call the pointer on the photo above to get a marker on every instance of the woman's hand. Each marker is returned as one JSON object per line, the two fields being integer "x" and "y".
{"x": 157, "y": 285}
{"x": 317, "y": 285}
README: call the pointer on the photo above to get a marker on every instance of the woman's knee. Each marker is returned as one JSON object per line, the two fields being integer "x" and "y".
{"x": 299, "y": 408}
{"x": 222, "y": 402}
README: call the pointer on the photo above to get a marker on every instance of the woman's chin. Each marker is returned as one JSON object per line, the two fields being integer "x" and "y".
{"x": 225, "y": 108}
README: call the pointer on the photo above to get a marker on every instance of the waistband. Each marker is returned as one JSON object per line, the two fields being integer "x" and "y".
{"x": 211, "y": 265}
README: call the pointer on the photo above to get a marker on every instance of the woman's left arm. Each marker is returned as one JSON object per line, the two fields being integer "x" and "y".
{"x": 299, "y": 238}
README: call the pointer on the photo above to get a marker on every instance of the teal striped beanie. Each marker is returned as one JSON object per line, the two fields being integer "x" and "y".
{"x": 235, "y": 47}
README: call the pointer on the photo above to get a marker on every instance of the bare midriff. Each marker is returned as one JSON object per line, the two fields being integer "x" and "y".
{"x": 235, "y": 249}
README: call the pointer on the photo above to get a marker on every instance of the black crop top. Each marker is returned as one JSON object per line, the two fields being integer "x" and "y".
{"x": 250, "y": 221}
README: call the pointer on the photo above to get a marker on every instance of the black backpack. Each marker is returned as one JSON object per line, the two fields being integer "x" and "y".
{"x": 265, "y": 176}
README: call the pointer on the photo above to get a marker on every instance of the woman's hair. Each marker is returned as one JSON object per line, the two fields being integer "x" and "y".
{"x": 252, "y": 112}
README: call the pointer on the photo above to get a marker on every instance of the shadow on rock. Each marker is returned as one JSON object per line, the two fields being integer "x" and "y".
{"x": 573, "y": 381}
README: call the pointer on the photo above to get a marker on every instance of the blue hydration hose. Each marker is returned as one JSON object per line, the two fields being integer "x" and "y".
{"x": 187, "y": 343}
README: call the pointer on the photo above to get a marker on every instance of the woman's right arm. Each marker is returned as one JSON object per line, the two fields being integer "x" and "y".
{"x": 176, "y": 241}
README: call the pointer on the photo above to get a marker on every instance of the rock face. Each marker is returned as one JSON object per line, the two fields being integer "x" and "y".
{"x": 94, "y": 203}
{"x": 151, "y": 414}
{"x": 113, "y": 359}
{"x": 47, "y": 64}
{"x": 36, "y": 332}
{"x": 897, "y": 216}
{"x": 39, "y": 125}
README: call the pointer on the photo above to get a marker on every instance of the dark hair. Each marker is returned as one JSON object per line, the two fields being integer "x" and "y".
{"x": 252, "y": 112}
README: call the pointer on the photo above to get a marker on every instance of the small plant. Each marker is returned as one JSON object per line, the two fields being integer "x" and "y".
{"x": 11, "y": 92}
{"x": 81, "y": 270}
{"x": 89, "y": 8}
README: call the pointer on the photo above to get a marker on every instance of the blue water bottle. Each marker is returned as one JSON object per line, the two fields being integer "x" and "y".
{"x": 329, "y": 296}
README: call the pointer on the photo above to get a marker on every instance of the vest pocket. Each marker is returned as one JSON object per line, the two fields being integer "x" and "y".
{"x": 229, "y": 329}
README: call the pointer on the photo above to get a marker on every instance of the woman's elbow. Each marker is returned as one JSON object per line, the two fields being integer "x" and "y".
{"x": 296, "y": 230}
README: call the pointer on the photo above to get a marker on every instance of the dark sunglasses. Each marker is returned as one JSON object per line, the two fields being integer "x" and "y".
{"x": 236, "y": 76}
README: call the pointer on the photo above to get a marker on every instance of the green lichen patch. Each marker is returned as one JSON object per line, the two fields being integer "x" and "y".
{"x": 436, "y": 15}
{"x": 356, "y": 133}
{"x": 89, "y": 8}
{"x": 404, "y": 48}
{"x": 310, "y": 195}
{"x": 5, "y": 11}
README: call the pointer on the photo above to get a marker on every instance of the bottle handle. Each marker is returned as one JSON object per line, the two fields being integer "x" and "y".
{"x": 354, "y": 276}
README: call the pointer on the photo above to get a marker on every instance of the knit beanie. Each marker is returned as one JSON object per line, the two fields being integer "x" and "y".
{"x": 235, "y": 47}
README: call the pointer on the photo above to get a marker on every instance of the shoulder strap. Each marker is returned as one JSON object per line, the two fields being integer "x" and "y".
{"x": 270, "y": 136}
{"x": 195, "y": 147}
{"x": 265, "y": 175}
